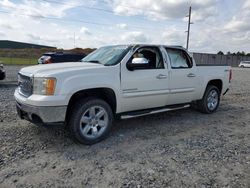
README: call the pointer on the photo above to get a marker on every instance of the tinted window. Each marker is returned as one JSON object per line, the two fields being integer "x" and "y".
{"x": 152, "y": 55}
{"x": 178, "y": 58}
{"x": 57, "y": 58}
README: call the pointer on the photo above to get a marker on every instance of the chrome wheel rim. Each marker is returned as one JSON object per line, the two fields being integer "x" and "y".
{"x": 94, "y": 122}
{"x": 212, "y": 100}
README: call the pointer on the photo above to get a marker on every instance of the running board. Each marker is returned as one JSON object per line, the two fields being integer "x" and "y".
{"x": 145, "y": 113}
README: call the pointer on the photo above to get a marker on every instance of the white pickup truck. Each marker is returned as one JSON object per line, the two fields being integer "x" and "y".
{"x": 117, "y": 81}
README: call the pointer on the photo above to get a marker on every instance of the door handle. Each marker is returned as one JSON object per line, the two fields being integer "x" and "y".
{"x": 191, "y": 75}
{"x": 161, "y": 76}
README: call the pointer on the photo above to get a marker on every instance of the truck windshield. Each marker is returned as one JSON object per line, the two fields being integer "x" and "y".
{"x": 109, "y": 55}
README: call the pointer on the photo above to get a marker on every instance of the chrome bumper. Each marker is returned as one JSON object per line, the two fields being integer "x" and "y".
{"x": 41, "y": 114}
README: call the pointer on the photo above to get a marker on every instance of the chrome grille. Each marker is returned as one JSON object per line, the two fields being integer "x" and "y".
{"x": 25, "y": 85}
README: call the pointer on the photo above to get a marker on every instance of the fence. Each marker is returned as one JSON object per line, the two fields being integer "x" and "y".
{"x": 232, "y": 60}
{"x": 30, "y": 56}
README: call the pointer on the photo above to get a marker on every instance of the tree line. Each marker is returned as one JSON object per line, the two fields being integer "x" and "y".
{"x": 234, "y": 53}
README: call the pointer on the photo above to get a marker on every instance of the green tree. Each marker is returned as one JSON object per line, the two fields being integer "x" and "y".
{"x": 220, "y": 53}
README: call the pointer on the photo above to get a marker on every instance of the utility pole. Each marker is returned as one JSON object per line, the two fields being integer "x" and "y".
{"x": 189, "y": 23}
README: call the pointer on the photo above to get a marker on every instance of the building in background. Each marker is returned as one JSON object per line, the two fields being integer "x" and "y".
{"x": 7, "y": 44}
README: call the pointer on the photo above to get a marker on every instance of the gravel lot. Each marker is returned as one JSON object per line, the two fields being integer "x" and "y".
{"x": 176, "y": 149}
{"x": 11, "y": 73}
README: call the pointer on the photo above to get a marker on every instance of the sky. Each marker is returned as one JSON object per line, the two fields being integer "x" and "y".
{"x": 218, "y": 25}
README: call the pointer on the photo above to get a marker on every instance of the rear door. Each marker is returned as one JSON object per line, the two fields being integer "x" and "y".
{"x": 183, "y": 78}
{"x": 147, "y": 87}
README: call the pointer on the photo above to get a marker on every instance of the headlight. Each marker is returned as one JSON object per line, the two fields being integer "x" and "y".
{"x": 44, "y": 86}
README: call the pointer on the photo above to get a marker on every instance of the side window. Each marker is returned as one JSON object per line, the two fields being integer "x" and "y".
{"x": 152, "y": 57}
{"x": 178, "y": 59}
{"x": 58, "y": 58}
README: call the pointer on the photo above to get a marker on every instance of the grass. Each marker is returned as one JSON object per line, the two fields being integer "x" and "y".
{"x": 18, "y": 61}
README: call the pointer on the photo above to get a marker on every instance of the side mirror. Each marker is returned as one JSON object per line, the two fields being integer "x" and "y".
{"x": 138, "y": 63}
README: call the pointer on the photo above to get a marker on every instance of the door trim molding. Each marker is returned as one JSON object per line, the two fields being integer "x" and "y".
{"x": 182, "y": 90}
{"x": 145, "y": 93}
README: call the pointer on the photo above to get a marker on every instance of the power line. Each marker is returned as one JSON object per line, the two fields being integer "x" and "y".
{"x": 101, "y": 9}
{"x": 76, "y": 20}
{"x": 55, "y": 18}
{"x": 106, "y": 10}
{"x": 83, "y": 6}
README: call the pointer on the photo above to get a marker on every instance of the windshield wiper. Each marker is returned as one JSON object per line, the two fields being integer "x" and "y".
{"x": 93, "y": 61}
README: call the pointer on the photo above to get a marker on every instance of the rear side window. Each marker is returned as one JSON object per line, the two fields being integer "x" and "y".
{"x": 59, "y": 58}
{"x": 178, "y": 59}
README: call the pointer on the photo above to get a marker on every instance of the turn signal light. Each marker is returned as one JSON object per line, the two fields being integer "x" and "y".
{"x": 50, "y": 86}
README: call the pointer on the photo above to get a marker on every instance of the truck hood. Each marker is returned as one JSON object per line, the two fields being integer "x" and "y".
{"x": 51, "y": 69}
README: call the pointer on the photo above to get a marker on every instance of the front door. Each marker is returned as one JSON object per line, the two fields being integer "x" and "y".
{"x": 145, "y": 87}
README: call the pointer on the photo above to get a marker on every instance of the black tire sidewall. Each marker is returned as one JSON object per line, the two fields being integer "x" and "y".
{"x": 204, "y": 107}
{"x": 77, "y": 112}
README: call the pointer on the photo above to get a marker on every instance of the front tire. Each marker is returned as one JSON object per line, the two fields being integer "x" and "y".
{"x": 210, "y": 101}
{"x": 91, "y": 121}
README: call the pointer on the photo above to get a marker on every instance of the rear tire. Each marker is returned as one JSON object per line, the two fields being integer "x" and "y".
{"x": 91, "y": 121}
{"x": 210, "y": 101}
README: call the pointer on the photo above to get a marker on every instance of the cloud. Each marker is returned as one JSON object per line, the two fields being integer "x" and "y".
{"x": 122, "y": 26}
{"x": 34, "y": 37}
{"x": 237, "y": 25}
{"x": 85, "y": 31}
{"x": 7, "y": 4}
{"x": 6, "y": 25}
{"x": 134, "y": 37}
{"x": 62, "y": 31}
{"x": 2, "y": 34}
{"x": 42, "y": 39}
{"x": 240, "y": 21}
{"x": 164, "y": 9}
{"x": 173, "y": 37}
{"x": 158, "y": 21}
{"x": 246, "y": 5}
{"x": 36, "y": 10}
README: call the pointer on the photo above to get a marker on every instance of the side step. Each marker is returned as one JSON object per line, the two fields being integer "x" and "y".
{"x": 153, "y": 111}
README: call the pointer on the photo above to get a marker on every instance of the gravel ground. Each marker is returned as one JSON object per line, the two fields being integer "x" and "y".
{"x": 11, "y": 73}
{"x": 176, "y": 149}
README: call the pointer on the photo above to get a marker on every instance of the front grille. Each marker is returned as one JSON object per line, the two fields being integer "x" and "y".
{"x": 25, "y": 85}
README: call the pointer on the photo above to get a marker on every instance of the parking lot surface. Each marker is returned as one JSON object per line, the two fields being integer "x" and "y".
{"x": 175, "y": 149}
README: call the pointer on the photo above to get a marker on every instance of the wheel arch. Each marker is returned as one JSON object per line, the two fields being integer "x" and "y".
{"x": 106, "y": 94}
{"x": 217, "y": 83}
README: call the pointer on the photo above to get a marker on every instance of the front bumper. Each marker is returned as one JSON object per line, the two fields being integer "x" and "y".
{"x": 41, "y": 114}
